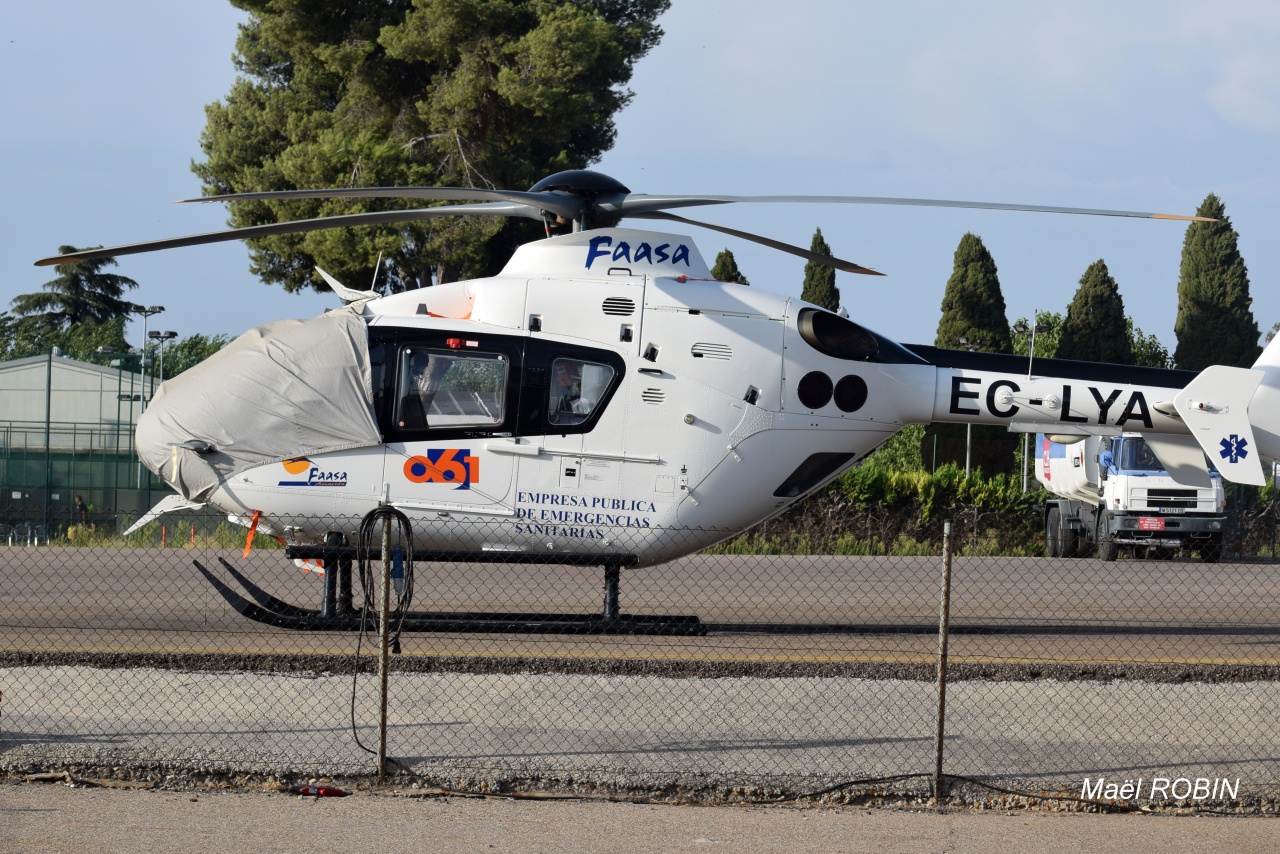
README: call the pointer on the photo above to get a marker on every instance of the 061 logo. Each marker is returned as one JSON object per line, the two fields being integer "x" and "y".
{"x": 444, "y": 465}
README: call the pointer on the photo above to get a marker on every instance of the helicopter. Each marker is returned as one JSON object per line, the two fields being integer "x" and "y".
{"x": 604, "y": 399}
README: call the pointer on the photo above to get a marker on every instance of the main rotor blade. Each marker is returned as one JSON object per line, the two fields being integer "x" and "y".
{"x": 569, "y": 207}
{"x": 636, "y": 203}
{"x": 847, "y": 266}
{"x": 300, "y": 225}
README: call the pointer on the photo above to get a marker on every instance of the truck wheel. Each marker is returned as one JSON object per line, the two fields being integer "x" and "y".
{"x": 1072, "y": 542}
{"x": 1107, "y": 548}
{"x": 1053, "y": 532}
{"x": 1211, "y": 553}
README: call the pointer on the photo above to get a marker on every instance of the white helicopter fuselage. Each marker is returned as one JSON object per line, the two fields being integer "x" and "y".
{"x": 699, "y": 408}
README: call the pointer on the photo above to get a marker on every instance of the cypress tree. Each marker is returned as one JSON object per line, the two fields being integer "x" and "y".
{"x": 973, "y": 306}
{"x": 819, "y": 279}
{"x": 1095, "y": 329}
{"x": 726, "y": 269}
{"x": 1215, "y": 320}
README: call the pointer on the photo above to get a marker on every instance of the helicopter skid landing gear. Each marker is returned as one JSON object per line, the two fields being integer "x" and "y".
{"x": 612, "y": 585}
{"x": 337, "y": 597}
{"x": 336, "y": 613}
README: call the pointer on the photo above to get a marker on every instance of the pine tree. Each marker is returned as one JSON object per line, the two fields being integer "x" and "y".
{"x": 81, "y": 295}
{"x": 378, "y": 93}
{"x": 1095, "y": 329}
{"x": 1215, "y": 321}
{"x": 819, "y": 279}
{"x": 726, "y": 269}
{"x": 973, "y": 306}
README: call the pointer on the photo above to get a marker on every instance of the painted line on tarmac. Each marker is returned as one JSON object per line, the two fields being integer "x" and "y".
{"x": 670, "y": 656}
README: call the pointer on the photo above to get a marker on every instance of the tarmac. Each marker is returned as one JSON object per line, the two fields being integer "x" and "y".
{"x": 642, "y": 736}
{"x": 648, "y": 730}
{"x": 37, "y": 817}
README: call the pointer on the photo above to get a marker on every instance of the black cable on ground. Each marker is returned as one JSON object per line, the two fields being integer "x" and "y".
{"x": 867, "y": 781}
{"x": 1102, "y": 805}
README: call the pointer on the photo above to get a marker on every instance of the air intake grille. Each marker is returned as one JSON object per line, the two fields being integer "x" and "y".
{"x": 652, "y": 395}
{"x": 619, "y": 306}
{"x": 703, "y": 350}
{"x": 1171, "y": 493}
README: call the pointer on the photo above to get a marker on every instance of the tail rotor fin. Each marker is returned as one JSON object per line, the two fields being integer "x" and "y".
{"x": 1215, "y": 408}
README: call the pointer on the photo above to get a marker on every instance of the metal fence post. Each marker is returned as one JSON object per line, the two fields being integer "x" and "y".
{"x": 944, "y": 616}
{"x": 384, "y": 626}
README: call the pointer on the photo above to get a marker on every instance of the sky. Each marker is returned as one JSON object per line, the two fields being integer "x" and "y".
{"x": 1135, "y": 106}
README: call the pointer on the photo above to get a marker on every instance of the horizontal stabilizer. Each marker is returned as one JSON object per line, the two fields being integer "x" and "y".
{"x": 168, "y": 504}
{"x": 1181, "y": 457}
{"x": 1061, "y": 429}
{"x": 1215, "y": 407}
{"x": 345, "y": 293}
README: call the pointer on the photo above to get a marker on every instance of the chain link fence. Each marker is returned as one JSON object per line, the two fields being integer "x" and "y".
{"x": 176, "y": 653}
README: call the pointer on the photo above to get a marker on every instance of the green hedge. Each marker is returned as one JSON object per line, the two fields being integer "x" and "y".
{"x": 874, "y": 510}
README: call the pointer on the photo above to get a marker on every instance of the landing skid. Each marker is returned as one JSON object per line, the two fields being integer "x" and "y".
{"x": 261, "y": 607}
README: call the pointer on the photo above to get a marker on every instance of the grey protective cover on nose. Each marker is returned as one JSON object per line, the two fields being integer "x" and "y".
{"x": 286, "y": 389}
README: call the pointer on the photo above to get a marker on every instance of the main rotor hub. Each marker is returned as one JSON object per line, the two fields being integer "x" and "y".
{"x": 579, "y": 182}
{"x": 585, "y": 185}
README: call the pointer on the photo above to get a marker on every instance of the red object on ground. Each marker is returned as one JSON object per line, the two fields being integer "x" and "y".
{"x": 322, "y": 791}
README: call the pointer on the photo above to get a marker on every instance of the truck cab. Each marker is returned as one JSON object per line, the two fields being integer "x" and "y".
{"x": 1114, "y": 493}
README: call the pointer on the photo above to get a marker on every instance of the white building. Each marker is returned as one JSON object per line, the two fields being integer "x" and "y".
{"x": 86, "y": 406}
{"x": 88, "y": 412}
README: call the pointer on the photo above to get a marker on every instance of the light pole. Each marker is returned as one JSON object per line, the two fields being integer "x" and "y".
{"x": 160, "y": 338}
{"x": 968, "y": 428}
{"x": 119, "y": 364}
{"x": 146, "y": 312}
{"x": 1031, "y": 332}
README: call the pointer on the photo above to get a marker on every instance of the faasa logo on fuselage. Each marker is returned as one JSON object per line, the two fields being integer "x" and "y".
{"x": 313, "y": 474}
{"x": 444, "y": 465}
{"x": 602, "y": 247}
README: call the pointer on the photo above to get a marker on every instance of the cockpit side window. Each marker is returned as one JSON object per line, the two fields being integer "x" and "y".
{"x": 576, "y": 389}
{"x": 450, "y": 389}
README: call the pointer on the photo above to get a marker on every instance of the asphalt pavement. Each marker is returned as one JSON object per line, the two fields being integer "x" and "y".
{"x": 54, "y": 817}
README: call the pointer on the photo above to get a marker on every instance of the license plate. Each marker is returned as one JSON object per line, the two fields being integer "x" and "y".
{"x": 1149, "y": 523}
{"x": 1171, "y": 509}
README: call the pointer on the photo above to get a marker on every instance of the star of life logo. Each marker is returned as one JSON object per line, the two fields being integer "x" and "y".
{"x": 1233, "y": 448}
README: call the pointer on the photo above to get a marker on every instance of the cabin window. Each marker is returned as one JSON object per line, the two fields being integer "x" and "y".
{"x": 577, "y": 387}
{"x": 448, "y": 388}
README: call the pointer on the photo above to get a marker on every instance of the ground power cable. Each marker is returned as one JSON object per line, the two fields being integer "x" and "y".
{"x": 400, "y": 541}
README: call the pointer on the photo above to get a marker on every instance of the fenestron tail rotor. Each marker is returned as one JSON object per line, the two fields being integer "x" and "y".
{"x": 580, "y": 199}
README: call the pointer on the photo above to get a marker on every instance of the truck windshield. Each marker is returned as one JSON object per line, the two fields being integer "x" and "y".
{"x": 1136, "y": 456}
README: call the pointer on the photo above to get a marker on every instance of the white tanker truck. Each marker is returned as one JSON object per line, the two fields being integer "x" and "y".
{"x": 1114, "y": 493}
